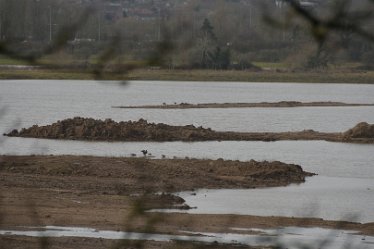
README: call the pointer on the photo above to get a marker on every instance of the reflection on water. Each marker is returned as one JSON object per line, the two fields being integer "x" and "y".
{"x": 46, "y": 101}
{"x": 322, "y": 197}
{"x": 290, "y": 237}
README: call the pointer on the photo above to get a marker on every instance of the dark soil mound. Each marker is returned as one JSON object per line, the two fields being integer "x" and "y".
{"x": 91, "y": 129}
{"x": 362, "y": 130}
{"x": 108, "y": 130}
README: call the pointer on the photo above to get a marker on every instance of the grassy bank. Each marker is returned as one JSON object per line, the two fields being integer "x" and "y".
{"x": 330, "y": 76}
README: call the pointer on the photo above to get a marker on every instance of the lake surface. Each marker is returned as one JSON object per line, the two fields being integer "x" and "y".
{"x": 45, "y": 101}
{"x": 345, "y": 170}
{"x": 330, "y": 198}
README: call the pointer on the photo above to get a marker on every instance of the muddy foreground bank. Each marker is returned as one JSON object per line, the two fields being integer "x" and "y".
{"x": 103, "y": 193}
{"x": 20, "y": 242}
{"x": 62, "y": 185}
{"x": 108, "y": 130}
{"x": 243, "y": 105}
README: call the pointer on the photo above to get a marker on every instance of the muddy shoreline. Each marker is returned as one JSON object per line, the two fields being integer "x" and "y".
{"x": 107, "y": 193}
{"x": 61, "y": 183}
{"x": 22, "y": 242}
{"x": 117, "y": 176}
{"x": 102, "y": 193}
{"x": 283, "y": 104}
{"x": 108, "y": 130}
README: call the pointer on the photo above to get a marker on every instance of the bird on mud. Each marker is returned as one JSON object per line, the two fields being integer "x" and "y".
{"x": 145, "y": 152}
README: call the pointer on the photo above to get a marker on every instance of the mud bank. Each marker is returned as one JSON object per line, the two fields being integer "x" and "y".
{"x": 243, "y": 105}
{"x": 103, "y": 193}
{"x": 137, "y": 175}
{"x": 108, "y": 130}
{"x": 21, "y": 242}
{"x": 63, "y": 187}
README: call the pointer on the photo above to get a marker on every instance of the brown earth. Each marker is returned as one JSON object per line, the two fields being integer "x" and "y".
{"x": 21, "y": 242}
{"x": 361, "y": 132}
{"x": 242, "y": 105}
{"x": 103, "y": 193}
{"x": 92, "y": 191}
{"x": 118, "y": 176}
{"x": 109, "y": 130}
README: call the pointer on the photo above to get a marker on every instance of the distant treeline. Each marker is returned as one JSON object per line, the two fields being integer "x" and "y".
{"x": 214, "y": 34}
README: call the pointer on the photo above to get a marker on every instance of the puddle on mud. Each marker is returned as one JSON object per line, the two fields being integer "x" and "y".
{"x": 292, "y": 237}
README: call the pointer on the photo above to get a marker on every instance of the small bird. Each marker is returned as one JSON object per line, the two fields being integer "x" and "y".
{"x": 145, "y": 152}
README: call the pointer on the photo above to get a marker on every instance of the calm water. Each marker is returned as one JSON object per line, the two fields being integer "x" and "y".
{"x": 288, "y": 237}
{"x": 331, "y": 198}
{"x": 339, "y": 165}
{"x": 43, "y": 102}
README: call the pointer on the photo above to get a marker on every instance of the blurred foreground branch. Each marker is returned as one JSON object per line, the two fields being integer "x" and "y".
{"x": 65, "y": 33}
{"x": 342, "y": 18}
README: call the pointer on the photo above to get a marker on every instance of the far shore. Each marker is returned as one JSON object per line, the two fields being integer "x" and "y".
{"x": 276, "y": 76}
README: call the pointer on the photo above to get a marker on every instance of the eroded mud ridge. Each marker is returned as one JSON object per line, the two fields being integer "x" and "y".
{"x": 242, "y": 105}
{"x": 361, "y": 132}
{"x": 137, "y": 175}
{"x": 108, "y": 130}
